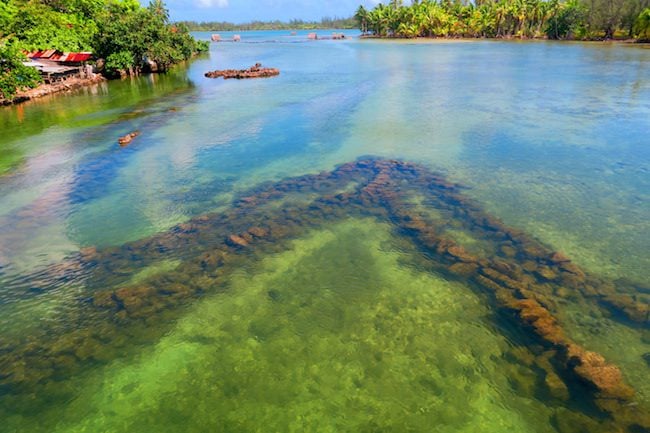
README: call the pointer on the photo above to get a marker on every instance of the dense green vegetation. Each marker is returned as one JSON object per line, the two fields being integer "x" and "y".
{"x": 642, "y": 25}
{"x": 325, "y": 23}
{"x": 13, "y": 74}
{"x": 134, "y": 38}
{"x": 130, "y": 37}
{"x": 553, "y": 19}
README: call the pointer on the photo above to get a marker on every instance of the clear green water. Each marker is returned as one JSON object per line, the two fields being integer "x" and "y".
{"x": 293, "y": 346}
{"x": 552, "y": 138}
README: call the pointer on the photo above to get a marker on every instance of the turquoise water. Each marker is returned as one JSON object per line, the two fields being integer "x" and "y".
{"x": 551, "y": 138}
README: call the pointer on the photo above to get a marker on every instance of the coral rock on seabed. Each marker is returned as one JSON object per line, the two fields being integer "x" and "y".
{"x": 606, "y": 378}
{"x": 258, "y": 232}
{"x": 459, "y": 253}
{"x": 128, "y": 138}
{"x": 256, "y": 71}
{"x": 237, "y": 241}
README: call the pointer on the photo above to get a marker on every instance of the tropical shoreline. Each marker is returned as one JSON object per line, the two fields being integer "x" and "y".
{"x": 570, "y": 20}
{"x": 77, "y": 83}
{"x": 443, "y": 39}
{"x": 51, "y": 89}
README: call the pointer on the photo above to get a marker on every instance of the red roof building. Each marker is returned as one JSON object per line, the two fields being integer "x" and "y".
{"x": 59, "y": 56}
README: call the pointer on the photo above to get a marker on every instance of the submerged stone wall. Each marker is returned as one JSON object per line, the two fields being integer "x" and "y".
{"x": 526, "y": 281}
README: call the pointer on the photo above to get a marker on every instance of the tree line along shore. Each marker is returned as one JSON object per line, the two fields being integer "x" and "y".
{"x": 224, "y": 26}
{"x": 124, "y": 37}
{"x": 549, "y": 19}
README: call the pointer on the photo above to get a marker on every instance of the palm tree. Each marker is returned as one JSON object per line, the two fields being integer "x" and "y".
{"x": 540, "y": 16}
{"x": 642, "y": 24}
{"x": 552, "y": 10}
{"x": 520, "y": 12}
{"x": 158, "y": 7}
{"x": 481, "y": 22}
{"x": 378, "y": 20}
{"x": 501, "y": 9}
{"x": 362, "y": 18}
{"x": 392, "y": 17}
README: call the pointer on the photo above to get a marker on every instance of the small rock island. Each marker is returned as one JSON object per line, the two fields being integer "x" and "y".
{"x": 256, "y": 71}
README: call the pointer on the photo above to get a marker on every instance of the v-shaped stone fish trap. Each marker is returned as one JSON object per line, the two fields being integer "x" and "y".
{"x": 523, "y": 278}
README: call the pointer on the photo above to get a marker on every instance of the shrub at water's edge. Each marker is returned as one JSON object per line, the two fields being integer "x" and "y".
{"x": 552, "y": 19}
{"x": 131, "y": 38}
{"x": 13, "y": 74}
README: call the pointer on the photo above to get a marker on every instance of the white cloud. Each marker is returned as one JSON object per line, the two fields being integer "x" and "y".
{"x": 212, "y": 3}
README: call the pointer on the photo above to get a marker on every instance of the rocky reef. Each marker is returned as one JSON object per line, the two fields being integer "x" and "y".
{"x": 255, "y": 71}
{"x": 524, "y": 280}
{"x": 125, "y": 140}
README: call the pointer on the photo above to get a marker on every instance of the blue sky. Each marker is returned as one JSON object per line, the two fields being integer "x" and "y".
{"x": 247, "y": 10}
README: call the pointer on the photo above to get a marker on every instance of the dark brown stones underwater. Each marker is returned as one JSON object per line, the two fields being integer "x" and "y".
{"x": 525, "y": 281}
{"x": 127, "y": 139}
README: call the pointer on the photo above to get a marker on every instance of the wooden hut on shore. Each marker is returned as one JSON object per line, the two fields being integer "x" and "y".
{"x": 55, "y": 66}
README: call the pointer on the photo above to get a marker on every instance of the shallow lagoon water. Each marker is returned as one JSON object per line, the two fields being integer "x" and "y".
{"x": 551, "y": 138}
{"x": 296, "y": 347}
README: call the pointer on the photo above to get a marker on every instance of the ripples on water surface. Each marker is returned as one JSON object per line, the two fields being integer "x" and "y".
{"x": 345, "y": 326}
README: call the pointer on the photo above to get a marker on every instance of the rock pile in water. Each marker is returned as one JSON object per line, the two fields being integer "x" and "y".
{"x": 255, "y": 71}
{"x": 128, "y": 138}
